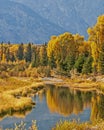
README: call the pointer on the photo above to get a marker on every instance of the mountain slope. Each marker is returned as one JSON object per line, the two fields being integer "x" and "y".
{"x": 73, "y": 15}
{"x": 18, "y": 23}
{"x": 37, "y": 20}
{"x": 59, "y": 12}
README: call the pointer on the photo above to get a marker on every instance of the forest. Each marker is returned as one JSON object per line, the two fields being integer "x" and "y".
{"x": 67, "y": 54}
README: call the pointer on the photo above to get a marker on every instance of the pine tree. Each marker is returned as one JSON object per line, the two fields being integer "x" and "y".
{"x": 20, "y": 52}
{"x": 28, "y": 53}
{"x": 12, "y": 58}
{"x": 35, "y": 57}
{"x": 70, "y": 61}
{"x": 1, "y": 50}
{"x": 43, "y": 56}
{"x": 87, "y": 66}
{"x": 51, "y": 61}
{"x": 7, "y": 55}
{"x": 79, "y": 63}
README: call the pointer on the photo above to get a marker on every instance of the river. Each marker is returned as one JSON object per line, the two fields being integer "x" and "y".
{"x": 55, "y": 104}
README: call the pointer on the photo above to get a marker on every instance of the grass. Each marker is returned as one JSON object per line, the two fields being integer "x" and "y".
{"x": 63, "y": 125}
{"x": 15, "y": 94}
{"x": 74, "y": 125}
{"x": 101, "y": 87}
{"x": 22, "y": 126}
{"x": 9, "y": 104}
{"x": 83, "y": 84}
{"x": 12, "y": 83}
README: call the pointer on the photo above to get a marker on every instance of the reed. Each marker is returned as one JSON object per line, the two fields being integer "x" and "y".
{"x": 74, "y": 125}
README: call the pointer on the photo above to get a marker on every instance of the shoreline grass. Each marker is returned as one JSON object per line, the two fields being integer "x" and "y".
{"x": 16, "y": 95}
{"x": 74, "y": 125}
{"x": 79, "y": 83}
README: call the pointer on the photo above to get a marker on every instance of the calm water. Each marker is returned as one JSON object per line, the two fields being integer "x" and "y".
{"x": 56, "y": 104}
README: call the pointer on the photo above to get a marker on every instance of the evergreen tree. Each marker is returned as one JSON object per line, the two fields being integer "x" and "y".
{"x": 12, "y": 58}
{"x": 34, "y": 56}
{"x": 9, "y": 43}
{"x": 87, "y": 66}
{"x": 43, "y": 56}
{"x": 1, "y": 51}
{"x": 70, "y": 61}
{"x": 28, "y": 53}
{"x": 7, "y": 55}
{"x": 51, "y": 61}
{"x": 20, "y": 52}
{"x": 79, "y": 63}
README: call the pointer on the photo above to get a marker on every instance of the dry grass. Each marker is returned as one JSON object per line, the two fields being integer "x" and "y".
{"x": 85, "y": 84}
{"x": 15, "y": 94}
{"x": 67, "y": 125}
{"x": 101, "y": 87}
{"x": 22, "y": 126}
{"x": 12, "y": 84}
{"x": 10, "y": 103}
{"x": 79, "y": 83}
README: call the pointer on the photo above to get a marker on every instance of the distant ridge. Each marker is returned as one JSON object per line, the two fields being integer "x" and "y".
{"x": 36, "y": 20}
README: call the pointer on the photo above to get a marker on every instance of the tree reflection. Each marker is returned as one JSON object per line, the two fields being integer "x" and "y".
{"x": 65, "y": 102}
{"x": 97, "y": 110}
{"x": 17, "y": 114}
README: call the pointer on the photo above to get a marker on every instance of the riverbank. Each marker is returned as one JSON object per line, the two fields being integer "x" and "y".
{"x": 16, "y": 89}
{"x": 78, "y": 83}
{"x": 15, "y": 94}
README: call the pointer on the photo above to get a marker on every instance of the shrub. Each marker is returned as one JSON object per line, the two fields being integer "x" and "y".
{"x": 4, "y": 74}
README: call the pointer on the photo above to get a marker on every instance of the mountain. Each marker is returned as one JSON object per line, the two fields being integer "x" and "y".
{"x": 37, "y": 20}
{"x": 88, "y": 10}
{"x": 19, "y": 23}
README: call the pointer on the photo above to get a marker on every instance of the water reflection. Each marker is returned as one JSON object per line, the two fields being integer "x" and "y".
{"x": 66, "y": 101}
{"x": 97, "y": 107}
{"x": 18, "y": 114}
{"x": 63, "y": 101}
